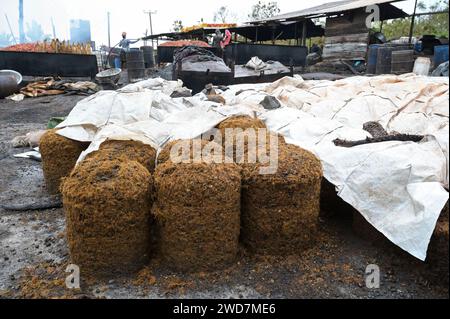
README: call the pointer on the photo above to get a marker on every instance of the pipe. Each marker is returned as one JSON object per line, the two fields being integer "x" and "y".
{"x": 411, "y": 29}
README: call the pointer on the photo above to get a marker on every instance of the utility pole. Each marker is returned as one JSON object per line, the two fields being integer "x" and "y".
{"x": 21, "y": 30}
{"x": 149, "y": 12}
{"x": 109, "y": 31}
{"x": 411, "y": 29}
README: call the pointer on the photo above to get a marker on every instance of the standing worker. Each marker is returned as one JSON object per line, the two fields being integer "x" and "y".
{"x": 217, "y": 39}
{"x": 125, "y": 45}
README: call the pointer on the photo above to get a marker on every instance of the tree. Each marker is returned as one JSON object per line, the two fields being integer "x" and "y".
{"x": 35, "y": 32}
{"x": 6, "y": 40}
{"x": 177, "y": 26}
{"x": 224, "y": 15}
{"x": 263, "y": 10}
{"x": 436, "y": 24}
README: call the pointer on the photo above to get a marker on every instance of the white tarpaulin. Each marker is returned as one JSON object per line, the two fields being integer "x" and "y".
{"x": 399, "y": 187}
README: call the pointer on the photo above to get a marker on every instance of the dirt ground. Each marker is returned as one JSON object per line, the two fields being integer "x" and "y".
{"x": 33, "y": 250}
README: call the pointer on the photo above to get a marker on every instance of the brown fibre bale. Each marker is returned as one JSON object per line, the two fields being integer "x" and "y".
{"x": 129, "y": 150}
{"x": 198, "y": 211}
{"x": 438, "y": 252}
{"x": 280, "y": 211}
{"x": 164, "y": 154}
{"x": 241, "y": 121}
{"x": 107, "y": 205}
{"x": 59, "y": 156}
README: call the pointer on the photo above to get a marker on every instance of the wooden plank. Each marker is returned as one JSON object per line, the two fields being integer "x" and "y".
{"x": 347, "y": 51}
{"x": 345, "y": 38}
{"x": 347, "y": 24}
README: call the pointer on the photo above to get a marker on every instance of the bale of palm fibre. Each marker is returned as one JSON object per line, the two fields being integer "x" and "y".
{"x": 59, "y": 156}
{"x": 107, "y": 206}
{"x": 280, "y": 211}
{"x": 197, "y": 208}
{"x": 207, "y": 149}
{"x": 250, "y": 147}
{"x": 239, "y": 122}
{"x": 131, "y": 150}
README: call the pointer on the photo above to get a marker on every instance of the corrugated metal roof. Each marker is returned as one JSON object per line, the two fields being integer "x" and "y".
{"x": 327, "y": 9}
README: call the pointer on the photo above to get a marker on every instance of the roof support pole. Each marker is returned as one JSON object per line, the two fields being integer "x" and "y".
{"x": 273, "y": 35}
{"x": 411, "y": 29}
{"x": 304, "y": 33}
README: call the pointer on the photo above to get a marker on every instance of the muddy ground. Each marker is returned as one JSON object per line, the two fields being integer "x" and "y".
{"x": 33, "y": 251}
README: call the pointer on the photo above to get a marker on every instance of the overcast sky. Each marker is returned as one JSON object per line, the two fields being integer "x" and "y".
{"x": 128, "y": 15}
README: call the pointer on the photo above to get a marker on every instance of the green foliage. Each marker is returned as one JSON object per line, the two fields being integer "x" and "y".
{"x": 263, "y": 10}
{"x": 177, "y": 26}
{"x": 224, "y": 15}
{"x": 436, "y": 24}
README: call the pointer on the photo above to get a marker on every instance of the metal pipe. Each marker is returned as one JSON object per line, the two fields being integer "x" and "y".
{"x": 21, "y": 29}
{"x": 109, "y": 31}
{"x": 411, "y": 29}
{"x": 304, "y": 32}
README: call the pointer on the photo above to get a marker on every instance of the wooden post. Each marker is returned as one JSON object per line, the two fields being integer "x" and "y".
{"x": 304, "y": 33}
{"x": 296, "y": 33}
{"x": 273, "y": 35}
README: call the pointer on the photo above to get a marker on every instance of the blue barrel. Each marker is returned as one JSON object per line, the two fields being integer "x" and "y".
{"x": 372, "y": 58}
{"x": 440, "y": 54}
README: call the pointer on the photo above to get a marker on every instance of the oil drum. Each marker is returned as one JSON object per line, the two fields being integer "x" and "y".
{"x": 135, "y": 66}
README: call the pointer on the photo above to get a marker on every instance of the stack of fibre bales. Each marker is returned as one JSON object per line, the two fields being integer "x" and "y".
{"x": 127, "y": 149}
{"x": 107, "y": 204}
{"x": 59, "y": 156}
{"x": 280, "y": 211}
{"x": 198, "y": 210}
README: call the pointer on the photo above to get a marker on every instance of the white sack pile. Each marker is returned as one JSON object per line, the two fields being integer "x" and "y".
{"x": 399, "y": 187}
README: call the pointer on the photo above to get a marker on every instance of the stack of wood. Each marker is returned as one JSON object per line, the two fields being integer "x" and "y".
{"x": 346, "y": 37}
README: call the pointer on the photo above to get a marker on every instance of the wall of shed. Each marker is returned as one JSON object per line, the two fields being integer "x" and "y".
{"x": 346, "y": 37}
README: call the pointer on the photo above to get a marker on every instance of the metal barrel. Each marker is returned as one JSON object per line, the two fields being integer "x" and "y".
{"x": 135, "y": 66}
{"x": 8, "y": 85}
{"x": 402, "y": 61}
{"x": 149, "y": 58}
{"x": 384, "y": 56}
{"x": 440, "y": 54}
